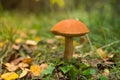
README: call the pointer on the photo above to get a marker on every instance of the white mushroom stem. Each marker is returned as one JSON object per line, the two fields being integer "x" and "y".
{"x": 68, "y": 48}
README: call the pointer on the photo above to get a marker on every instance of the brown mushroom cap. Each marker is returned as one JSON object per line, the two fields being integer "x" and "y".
{"x": 70, "y": 27}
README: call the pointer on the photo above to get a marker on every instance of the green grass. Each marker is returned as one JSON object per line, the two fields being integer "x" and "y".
{"x": 104, "y": 29}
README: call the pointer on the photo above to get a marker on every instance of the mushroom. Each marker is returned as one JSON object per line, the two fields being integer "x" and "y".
{"x": 69, "y": 28}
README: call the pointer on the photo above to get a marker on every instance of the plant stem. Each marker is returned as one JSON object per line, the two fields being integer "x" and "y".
{"x": 68, "y": 48}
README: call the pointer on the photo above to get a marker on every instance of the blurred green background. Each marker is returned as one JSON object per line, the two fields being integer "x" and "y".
{"x": 101, "y": 16}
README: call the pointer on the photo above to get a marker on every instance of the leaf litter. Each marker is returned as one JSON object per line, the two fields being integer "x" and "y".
{"x": 27, "y": 64}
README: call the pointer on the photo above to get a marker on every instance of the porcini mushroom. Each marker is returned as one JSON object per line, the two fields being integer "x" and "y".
{"x": 69, "y": 28}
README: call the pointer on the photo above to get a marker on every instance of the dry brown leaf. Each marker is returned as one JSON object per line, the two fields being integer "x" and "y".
{"x": 17, "y": 61}
{"x": 24, "y": 73}
{"x": 102, "y": 54}
{"x": 109, "y": 62}
{"x": 51, "y": 41}
{"x": 11, "y": 67}
{"x": 16, "y": 47}
{"x": 35, "y": 69}
{"x": 23, "y": 65}
{"x": 31, "y": 42}
{"x": 28, "y": 60}
{"x": 43, "y": 66}
{"x": 9, "y": 76}
{"x": 94, "y": 62}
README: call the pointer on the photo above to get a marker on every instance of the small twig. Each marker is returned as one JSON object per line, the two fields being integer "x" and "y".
{"x": 110, "y": 44}
{"x": 91, "y": 46}
{"x": 57, "y": 76}
{"x": 90, "y": 42}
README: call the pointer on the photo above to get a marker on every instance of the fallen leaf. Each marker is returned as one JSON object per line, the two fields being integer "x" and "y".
{"x": 18, "y": 40}
{"x": 102, "y": 54}
{"x": 11, "y": 67}
{"x": 24, "y": 73}
{"x": 28, "y": 60}
{"x": 43, "y": 66}
{"x": 35, "y": 69}
{"x": 9, "y": 76}
{"x": 23, "y": 65}
{"x": 112, "y": 54}
{"x": 109, "y": 62}
{"x": 16, "y": 61}
{"x": 51, "y": 41}
{"x": 1, "y": 44}
{"x": 94, "y": 62}
{"x": 106, "y": 72}
{"x": 37, "y": 39}
{"x": 75, "y": 43}
{"x": 54, "y": 47}
{"x": 85, "y": 62}
{"x": 16, "y": 47}
{"x": 77, "y": 55}
{"x": 59, "y": 37}
{"x": 49, "y": 70}
{"x": 31, "y": 42}
{"x": 78, "y": 47}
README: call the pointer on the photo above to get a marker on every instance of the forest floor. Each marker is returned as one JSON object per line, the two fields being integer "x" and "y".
{"x": 29, "y": 51}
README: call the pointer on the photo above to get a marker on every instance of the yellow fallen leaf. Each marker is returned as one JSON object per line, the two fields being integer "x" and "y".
{"x": 1, "y": 44}
{"x": 59, "y": 37}
{"x": 102, "y": 54}
{"x": 77, "y": 55}
{"x": 18, "y": 40}
{"x": 112, "y": 54}
{"x": 75, "y": 43}
{"x": 24, "y": 73}
{"x": 37, "y": 39}
{"x": 9, "y": 76}
{"x": 106, "y": 72}
{"x": 35, "y": 69}
{"x": 31, "y": 42}
{"x": 54, "y": 47}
